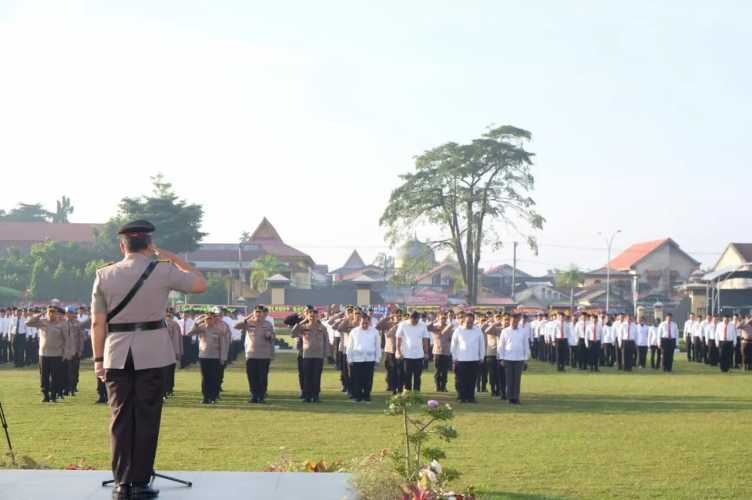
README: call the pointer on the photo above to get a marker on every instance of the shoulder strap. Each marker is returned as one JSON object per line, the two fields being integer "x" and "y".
{"x": 132, "y": 293}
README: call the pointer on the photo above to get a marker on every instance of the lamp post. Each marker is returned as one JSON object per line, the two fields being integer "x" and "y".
{"x": 609, "y": 242}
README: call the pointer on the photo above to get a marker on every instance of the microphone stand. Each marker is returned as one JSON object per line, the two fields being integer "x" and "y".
{"x": 4, "y": 423}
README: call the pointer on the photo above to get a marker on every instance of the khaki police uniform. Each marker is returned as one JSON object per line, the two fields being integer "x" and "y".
{"x": 259, "y": 350}
{"x": 314, "y": 340}
{"x": 137, "y": 347}
{"x": 52, "y": 347}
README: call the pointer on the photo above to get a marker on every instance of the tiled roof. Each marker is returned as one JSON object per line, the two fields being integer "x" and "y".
{"x": 635, "y": 253}
{"x": 45, "y": 231}
{"x": 745, "y": 250}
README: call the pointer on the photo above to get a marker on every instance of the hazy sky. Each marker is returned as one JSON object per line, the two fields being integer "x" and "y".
{"x": 306, "y": 112}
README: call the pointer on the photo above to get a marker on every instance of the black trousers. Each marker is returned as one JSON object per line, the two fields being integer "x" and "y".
{"x": 466, "y": 373}
{"x": 726, "y": 349}
{"x": 609, "y": 354}
{"x": 186, "y": 358}
{"x": 513, "y": 370}
{"x": 494, "y": 379}
{"x": 582, "y": 355}
{"x": 594, "y": 358}
{"x": 628, "y": 353}
{"x": 300, "y": 372}
{"x": 481, "y": 381}
{"x": 395, "y": 376}
{"x": 442, "y": 363}
{"x": 738, "y": 353}
{"x": 51, "y": 371}
{"x": 642, "y": 355}
{"x": 747, "y": 354}
{"x": 619, "y": 355}
{"x": 700, "y": 349}
{"x": 667, "y": 348}
{"x": 413, "y": 372}
{"x": 257, "y": 371}
{"x": 713, "y": 353}
{"x": 312, "y": 368}
{"x": 3, "y": 349}
{"x": 136, "y": 404}
{"x": 653, "y": 350}
{"x": 19, "y": 351}
{"x": 361, "y": 380}
{"x": 210, "y": 373}
{"x": 101, "y": 390}
{"x": 562, "y": 353}
{"x": 344, "y": 373}
{"x": 169, "y": 378}
{"x": 573, "y": 355}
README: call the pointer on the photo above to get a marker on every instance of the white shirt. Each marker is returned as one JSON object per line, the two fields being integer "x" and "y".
{"x": 689, "y": 327}
{"x": 725, "y": 331}
{"x": 560, "y": 329}
{"x": 17, "y": 326}
{"x": 666, "y": 331}
{"x": 653, "y": 337}
{"x": 593, "y": 332}
{"x": 579, "y": 329}
{"x": 608, "y": 334}
{"x": 627, "y": 331}
{"x": 643, "y": 332}
{"x": 468, "y": 344}
{"x": 186, "y": 325}
{"x": 363, "y": 345}
{"x": 698, "y": 329}
{"x": 513, "y": 345}
{"x": 412, "y": 339}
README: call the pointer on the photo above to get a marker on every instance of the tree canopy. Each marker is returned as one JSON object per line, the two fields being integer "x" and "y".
{"x": 469, "y": 193}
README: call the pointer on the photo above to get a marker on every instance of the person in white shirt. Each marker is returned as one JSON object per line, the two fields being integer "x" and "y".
{"x": 689, "y": 327}
{"x": 669, "y": 333}
{"x": 513, "y": 352}
{"x": 560, "y": 333}
{"x": 628, "y": 335}
{"x": 468, "y": 349}
{"x": 363, "y": 351}
{"x": 654, "y": 341}
{"x": 725, "y": 335}
{"x": 642, "y": 343}
{"x": 580, "y": 350}
{"x": 413, "y": 347}
{"x": 17, "y": 338}
{"x": 698, "y": 342}
{"x": 593, "y": 335}
{"x": 4, "y": 325}
{"x": 607, "y": 343}
{"x": 710, "y": 341}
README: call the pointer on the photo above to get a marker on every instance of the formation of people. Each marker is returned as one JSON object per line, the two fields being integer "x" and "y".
{"x": 487, "y": 353}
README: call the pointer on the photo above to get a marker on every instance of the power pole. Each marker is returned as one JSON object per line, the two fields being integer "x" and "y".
{"x": 514, "y": 267}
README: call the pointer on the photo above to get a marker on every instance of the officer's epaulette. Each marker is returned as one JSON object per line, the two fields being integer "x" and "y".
{"x": 105, "y": 265}
{"x": 163, "y": 261}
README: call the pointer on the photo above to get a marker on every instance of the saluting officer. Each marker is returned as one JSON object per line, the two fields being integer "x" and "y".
{"x": 259, "y": 351}
{"x": 52, "y": 348}
{"x": 131, "y": 347}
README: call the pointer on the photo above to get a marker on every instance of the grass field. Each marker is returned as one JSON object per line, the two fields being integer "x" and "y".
{"x": 576, "y": 435}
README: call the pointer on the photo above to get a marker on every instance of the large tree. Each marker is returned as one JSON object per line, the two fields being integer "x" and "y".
{"x": 63, "y": 208}
{"x": 570, "y": 278}
{"x": 27, "y": 212}
{"x": 469, "y": 193}
{"x": 264, "y": 268}
{"x": 178, "y": 222}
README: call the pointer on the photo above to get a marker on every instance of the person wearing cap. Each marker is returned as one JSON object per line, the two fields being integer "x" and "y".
{"x": 392, "y": 364}
{"x": 131, "y": 347}
{"x": 441, "y": 335}
{"x": 51, "y": 351}
{"x": 413, "y": 347}
{"x": 74, "y": 348}
{"x": 344, "y": 325}
{"x": 259, "y": 351}
{"x": 314, "y": 348}
{"x": 176, "y": 338}
{"x": 213, "y": 335}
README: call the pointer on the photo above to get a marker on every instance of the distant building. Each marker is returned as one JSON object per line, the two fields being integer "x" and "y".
{"x": 498, "y": 279}
{"x": 659, "y": 264}
{"x": 23, "y": 235}
{"x": 234, "y": 260}
{"x": 442, "y": 277}
{"x": 736, "y": 255}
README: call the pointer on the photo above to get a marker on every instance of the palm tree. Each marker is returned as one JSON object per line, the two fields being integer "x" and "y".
{"x": 264, "y": 268}
{"x": 571, "y": 279}
{"x": 63, "y": 210}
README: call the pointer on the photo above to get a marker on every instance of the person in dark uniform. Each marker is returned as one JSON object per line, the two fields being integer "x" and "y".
{"x": 131, "y": 348}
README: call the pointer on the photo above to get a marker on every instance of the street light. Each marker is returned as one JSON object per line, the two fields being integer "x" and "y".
{"x": 609, "y": 242}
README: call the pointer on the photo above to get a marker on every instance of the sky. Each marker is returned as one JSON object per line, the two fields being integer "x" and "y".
{"x": 307, "y": 113}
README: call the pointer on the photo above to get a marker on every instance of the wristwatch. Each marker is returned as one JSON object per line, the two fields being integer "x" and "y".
{"x": 99, "y": 360}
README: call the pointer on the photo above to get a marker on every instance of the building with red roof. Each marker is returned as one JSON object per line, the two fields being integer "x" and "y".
{"x": 22, "y": 235}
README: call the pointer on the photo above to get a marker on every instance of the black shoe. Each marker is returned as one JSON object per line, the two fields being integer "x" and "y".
{"x": 205, "y": 401}
{"x": 254, "y": 400}
{"x": 143, "y": 492}
{"x": 316, "y": 399}
{"x": 100, "y": 401}
{"x": 45, "y": 399}
{"x": 121, "y": 492}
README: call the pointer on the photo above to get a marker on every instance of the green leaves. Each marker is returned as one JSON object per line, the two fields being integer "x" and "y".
{"x": 471, "y": 193}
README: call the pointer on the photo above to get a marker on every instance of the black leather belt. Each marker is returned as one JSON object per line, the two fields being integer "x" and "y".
{"x": 132, "y": 327}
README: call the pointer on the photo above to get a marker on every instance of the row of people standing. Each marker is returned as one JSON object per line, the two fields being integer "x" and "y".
{"x": 719, "y": 341}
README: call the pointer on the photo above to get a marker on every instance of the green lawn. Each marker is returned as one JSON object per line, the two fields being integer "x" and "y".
{"x": 576, "y": 435}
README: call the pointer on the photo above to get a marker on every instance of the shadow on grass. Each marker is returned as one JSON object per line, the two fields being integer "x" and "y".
{"x": 505, "y": 495}
{"x": 531, "y": 404}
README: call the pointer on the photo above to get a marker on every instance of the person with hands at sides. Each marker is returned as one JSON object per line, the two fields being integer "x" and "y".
{"x": 363, "y": 352}
{"x": 468, "y": 350}
{"x": 514, "y": 351}
{"x": 413, "y": 347}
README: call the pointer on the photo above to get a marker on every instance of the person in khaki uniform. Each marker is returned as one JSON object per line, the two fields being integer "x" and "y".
{"x": 52, "y": 348}
{"x": 315, "y": 347}
{"x": 173, "y": 329}
{"x": 213, "y": 335}
{"x": 74, "y": 348}
{"x": 131, "y": 347}
{"x": 491, "y": 332}
{"x": 392, "y": 366}
{"x": 259, "y": 350}
{"x": 442, "y": 356}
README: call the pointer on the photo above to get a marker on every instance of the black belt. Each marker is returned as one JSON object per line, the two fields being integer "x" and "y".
{"x": 132, "y": 327}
